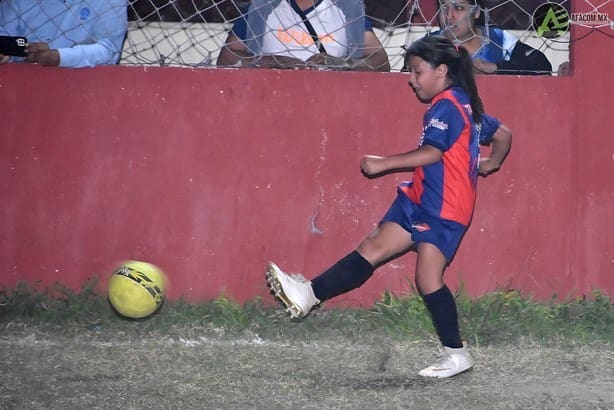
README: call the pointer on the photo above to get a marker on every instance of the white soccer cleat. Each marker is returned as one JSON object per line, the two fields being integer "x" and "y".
{"x": 295, "y": 292}
{"x": 451, "y": 363}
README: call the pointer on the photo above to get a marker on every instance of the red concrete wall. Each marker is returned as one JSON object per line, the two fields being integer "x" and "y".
{"x": 210, "y": 173}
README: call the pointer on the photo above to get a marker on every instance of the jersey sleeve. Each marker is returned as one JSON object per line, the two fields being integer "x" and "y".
{"x": 239, "y": 28}
{"x": 487, "y": 128}
{"x": 108, "y": 31}
{"x": 443, "y": 125}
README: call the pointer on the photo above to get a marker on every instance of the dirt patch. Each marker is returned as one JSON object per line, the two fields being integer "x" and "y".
{"x": 45, "y": 367}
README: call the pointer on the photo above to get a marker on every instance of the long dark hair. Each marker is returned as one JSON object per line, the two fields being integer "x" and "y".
{"x": 437, "y": 50}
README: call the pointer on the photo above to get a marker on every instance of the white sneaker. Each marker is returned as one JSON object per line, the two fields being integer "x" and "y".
{"x": 295, "y": 292}
{"x": 451, "y": 363}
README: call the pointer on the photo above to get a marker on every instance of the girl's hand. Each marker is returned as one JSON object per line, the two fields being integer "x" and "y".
{"x": 371, "y": 165}
{"x": 487, "y": 166}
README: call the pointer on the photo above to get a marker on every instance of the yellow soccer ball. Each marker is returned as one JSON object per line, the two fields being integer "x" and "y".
{"x": 137, "y": 289}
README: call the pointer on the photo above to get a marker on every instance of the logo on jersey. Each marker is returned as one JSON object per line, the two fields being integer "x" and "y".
{"x": 301, "y": 38}
{"x": 421, "y": 227}
{"x": 478, "y": 128}
{"x": 437, "y": 123}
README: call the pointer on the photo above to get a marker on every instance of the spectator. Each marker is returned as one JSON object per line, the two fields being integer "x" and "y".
{"x": 493, "y": 50}
{"x": 277, "y": 34}
{"x": 66, "y": 33}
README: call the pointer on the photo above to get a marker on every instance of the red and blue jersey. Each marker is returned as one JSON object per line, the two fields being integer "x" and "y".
{"x": 447, "y": 188}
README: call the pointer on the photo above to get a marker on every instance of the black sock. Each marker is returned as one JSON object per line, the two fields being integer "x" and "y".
{"x": 347, "y": 274}
{"x": 442, "y": 306}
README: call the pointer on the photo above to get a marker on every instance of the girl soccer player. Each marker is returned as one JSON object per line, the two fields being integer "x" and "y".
{"x": 430, "y": 214}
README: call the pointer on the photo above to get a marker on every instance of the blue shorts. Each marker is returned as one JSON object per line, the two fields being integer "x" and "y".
{"x": 444, "y": 234}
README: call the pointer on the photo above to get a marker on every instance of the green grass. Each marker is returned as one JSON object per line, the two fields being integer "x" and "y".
{"x": 498, "y": 317}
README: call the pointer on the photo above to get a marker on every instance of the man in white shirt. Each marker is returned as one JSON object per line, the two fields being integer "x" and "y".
{"x": 276, "y": 34}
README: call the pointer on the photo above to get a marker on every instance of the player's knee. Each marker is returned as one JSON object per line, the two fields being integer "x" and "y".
{"x": 372, "y": 250}
{"x": 428, "y": 283}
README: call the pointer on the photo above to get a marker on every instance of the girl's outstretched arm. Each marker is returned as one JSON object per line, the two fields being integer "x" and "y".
{"x": 374, "y": 166}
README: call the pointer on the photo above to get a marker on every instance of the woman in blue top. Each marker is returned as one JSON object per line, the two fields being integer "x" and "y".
{"x": 493, "y": 50}
{"x": 430, "y": 214}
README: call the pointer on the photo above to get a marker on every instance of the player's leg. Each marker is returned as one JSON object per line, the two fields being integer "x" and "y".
{"x": 430, "y": 265}
{"x": 300, "y": 296}
{"x": 386, "y": 242}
